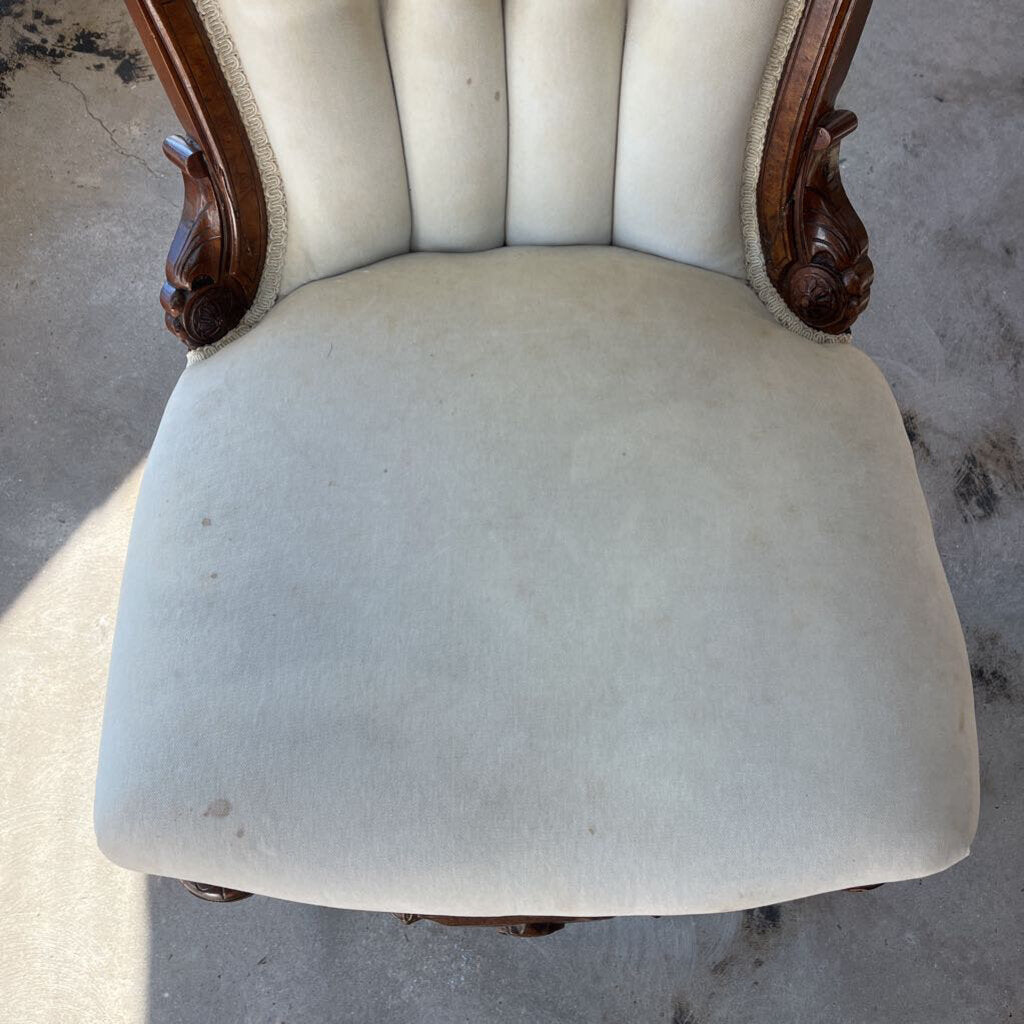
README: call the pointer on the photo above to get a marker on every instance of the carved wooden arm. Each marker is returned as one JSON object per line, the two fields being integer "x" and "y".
{"x": 815, "y": 245}
{"x": 217, "y": 256}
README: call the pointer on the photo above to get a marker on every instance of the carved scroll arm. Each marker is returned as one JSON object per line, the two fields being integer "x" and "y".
{"x": 814, "y": 243}
{"x": 216, "y": 260}
{"x": 201, "y": 302}
{"x": 829, "y": 282}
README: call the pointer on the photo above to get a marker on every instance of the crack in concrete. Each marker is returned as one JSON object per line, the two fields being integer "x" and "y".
{"x": 95, "y": 117}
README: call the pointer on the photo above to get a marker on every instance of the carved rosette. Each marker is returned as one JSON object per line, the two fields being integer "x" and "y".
{"x": 201, "y": 302}
{"x": 829, "y": 283}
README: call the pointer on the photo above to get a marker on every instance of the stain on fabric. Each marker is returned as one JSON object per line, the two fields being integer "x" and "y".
{"x": 988, "y": 473}
{"x": 997, "y": 670}
{"x": 206, "y": 521}
{"x": 218, "y": 808}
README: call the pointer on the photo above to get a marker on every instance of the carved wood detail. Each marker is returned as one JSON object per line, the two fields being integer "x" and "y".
{"x": 201, "y": 302}
{"x": 216, "y": 259}
{"x": 814, "y": 243}
{"x": 215, "y": 893}
{"x": 519, "y": 927}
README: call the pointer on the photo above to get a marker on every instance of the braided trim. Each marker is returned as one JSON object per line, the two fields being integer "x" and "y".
{"x": 757, "y": 268}
{"x": 270, "y": 176}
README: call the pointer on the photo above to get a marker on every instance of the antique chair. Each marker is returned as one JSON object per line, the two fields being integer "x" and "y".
{"x": 524, "y": 541}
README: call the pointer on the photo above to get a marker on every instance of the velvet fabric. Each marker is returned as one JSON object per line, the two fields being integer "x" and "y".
{"x": 535, "y": 581}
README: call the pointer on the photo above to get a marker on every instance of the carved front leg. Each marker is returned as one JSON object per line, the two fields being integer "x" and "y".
{"x": 215, "y": 893}
{"x": 202, "y": 303}
{"x": 829, "y": 283}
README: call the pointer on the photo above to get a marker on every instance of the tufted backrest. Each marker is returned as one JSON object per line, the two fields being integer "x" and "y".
{"x": 469, "y": 124}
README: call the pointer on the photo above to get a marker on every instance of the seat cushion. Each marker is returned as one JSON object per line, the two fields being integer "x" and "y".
{"x": 534, "y": 581}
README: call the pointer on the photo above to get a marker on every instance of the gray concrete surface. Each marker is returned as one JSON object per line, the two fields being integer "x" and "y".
{"x": 87, "y": 208}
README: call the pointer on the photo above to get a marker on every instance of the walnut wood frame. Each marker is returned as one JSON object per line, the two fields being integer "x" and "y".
{"x": 814, "y": 243}
{"x": 217, "y": 256}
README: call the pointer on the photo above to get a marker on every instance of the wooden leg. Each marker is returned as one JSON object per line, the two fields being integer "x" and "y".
{"x": 214, "y": 893}
{"x": 519, "y": 927}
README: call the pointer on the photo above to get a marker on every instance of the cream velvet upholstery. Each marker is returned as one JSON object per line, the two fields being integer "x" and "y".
{"x": 535, "y": 581}
{"x": 403, "y": 125}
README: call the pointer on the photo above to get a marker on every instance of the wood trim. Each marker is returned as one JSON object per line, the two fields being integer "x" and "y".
{"x": 814, "y": 243}
{"x": 520, "y": 927}
{"x": 215, "y": 893}
{"x": 217, "y": 257}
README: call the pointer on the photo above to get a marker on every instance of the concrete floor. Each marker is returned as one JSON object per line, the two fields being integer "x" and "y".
{"x": 88, "y": 208}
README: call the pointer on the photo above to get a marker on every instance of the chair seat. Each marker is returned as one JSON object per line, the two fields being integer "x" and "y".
{"x": 534, "y": 582}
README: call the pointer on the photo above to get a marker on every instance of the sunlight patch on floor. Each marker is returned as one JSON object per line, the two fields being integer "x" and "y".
{"x": 74, "y": 929}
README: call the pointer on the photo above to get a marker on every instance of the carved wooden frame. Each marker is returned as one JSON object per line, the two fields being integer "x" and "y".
{"x": 814, "y": 243}
{"x": 217, "y": 256}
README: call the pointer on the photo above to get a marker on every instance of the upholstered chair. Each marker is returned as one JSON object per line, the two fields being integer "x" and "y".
{"x": 525, "y": 540}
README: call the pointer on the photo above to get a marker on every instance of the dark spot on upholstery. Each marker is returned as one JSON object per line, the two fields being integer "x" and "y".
{"x": 206, "y": 521}
{"x": 996, "y": 669}
{"x": 219, "y": 808}
{"x": 682, "y": 1014}
{"x": 497, "y": 96}
{"x": 988, "y": 473}
{"x": 240, "y": 833}
{"x": 763, "y": 920}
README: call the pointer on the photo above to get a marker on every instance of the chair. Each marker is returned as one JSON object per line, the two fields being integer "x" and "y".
{"x": 524, "y": 541}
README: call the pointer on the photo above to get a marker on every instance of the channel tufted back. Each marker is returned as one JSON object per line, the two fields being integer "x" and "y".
{"x": 468, "y": 124}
